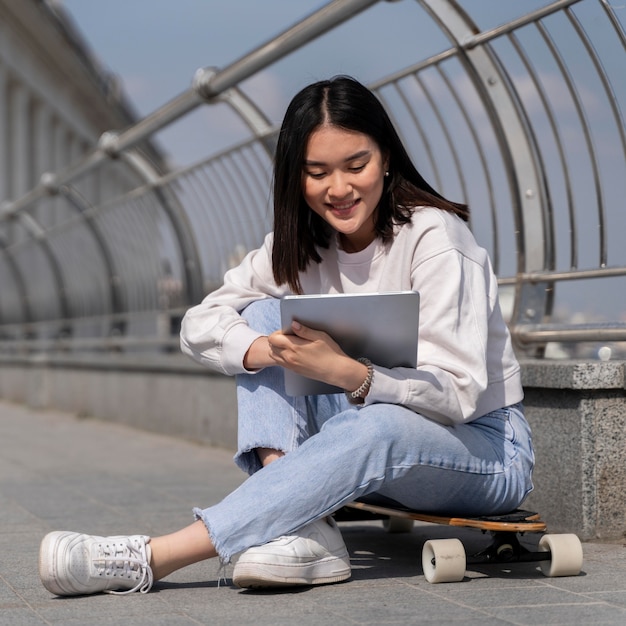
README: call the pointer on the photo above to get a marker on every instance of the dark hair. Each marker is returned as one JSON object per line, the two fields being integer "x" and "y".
{"x": 345, "y": 103}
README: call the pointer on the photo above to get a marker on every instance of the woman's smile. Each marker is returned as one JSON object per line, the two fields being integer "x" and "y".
{"x": 343, "y": 209}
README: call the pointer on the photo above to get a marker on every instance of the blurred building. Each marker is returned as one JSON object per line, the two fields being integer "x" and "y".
{"x": 56, "y": 100}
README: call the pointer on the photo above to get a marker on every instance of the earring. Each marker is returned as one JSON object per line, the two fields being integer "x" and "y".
{"x": 386, "y": 173}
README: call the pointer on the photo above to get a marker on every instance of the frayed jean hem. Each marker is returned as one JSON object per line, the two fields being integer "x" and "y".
{"x": 248, "y": 459}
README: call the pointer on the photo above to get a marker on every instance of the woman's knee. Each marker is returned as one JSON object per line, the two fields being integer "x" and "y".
{"x": 378, "y": 424}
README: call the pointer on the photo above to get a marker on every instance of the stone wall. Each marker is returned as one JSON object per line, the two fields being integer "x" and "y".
{"x": 165, "y": 394}
{"x": 577, "y": 411}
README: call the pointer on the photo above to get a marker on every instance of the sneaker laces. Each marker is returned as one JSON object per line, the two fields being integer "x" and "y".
{"x": 124, "y": 560}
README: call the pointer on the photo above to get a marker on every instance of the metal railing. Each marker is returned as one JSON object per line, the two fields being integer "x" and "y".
{"x": 542, "y": 124}
{"x": 523, "y": 121}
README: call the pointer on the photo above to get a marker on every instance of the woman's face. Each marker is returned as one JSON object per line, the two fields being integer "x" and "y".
{"x": 342, "y": 181}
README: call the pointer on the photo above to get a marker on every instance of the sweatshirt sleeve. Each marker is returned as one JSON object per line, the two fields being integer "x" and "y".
{"x": 458, "y": 311}
{"x": 213, "y": 332}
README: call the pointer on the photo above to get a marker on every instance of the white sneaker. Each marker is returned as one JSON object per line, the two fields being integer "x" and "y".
{"x": 73, "y": 564}
{"x": 315, "y": 555}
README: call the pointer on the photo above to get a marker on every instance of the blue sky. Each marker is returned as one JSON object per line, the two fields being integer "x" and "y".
{"x": 155, "y": 46}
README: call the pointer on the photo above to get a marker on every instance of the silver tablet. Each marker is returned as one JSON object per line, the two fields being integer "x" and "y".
{"x": 380, "y": 326}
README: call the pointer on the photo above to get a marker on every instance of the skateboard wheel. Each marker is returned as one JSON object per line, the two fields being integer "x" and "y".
{"x": 505, "y": 552}
{"x": 566, "y": 555}
{"x": 443, "y": 561}
{"x": 398, "y": 525}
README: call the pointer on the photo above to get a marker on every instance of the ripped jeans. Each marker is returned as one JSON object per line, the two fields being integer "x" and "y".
{"x": 336, "y": 452}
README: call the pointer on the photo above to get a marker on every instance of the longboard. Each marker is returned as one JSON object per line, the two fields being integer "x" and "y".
{"x": 445, "y": 560}
{"x": 516, "y": 521}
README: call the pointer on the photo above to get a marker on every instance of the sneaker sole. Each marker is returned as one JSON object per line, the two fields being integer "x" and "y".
{"x": 265, "y": 575}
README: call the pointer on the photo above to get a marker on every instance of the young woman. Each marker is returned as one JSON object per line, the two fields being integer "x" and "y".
{"x": 351, "y": 214}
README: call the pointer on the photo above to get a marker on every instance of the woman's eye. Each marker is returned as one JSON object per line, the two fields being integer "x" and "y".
{"x": 358, "y": 168}
{"x": 316, "y": 175}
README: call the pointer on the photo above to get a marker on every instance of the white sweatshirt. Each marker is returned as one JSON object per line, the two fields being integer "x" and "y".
{"x": 466, "y": 364}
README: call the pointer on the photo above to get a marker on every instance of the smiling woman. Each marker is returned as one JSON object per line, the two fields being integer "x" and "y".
{"x": 447, "y": 435}
{"x": 338, "y": 147}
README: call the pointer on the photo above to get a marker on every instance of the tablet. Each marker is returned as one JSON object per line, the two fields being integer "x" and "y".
{"x": 380, "y": 326}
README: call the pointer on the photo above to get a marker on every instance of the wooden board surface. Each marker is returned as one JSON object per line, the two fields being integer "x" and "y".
{"x": 517, "y": 521}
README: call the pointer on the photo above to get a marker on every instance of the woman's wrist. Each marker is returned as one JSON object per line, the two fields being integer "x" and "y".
{"x": 257, "y": 356}
{"x": 358, "y": 395}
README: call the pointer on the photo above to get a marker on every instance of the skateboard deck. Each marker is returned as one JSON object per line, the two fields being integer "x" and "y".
{"x": 516, "y": 521}
{"x": 445, "y": 560}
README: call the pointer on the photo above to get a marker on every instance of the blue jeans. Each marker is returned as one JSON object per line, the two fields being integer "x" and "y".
{"x": 336, "y": 452}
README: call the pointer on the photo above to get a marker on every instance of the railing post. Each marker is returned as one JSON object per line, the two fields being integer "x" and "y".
{"x": 517, "y": 145}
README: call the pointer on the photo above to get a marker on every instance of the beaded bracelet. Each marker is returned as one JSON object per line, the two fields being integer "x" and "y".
{"x": 357, "y": 396}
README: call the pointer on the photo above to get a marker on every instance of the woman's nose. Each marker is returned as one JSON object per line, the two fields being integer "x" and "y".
{"x": 339, "y": 186}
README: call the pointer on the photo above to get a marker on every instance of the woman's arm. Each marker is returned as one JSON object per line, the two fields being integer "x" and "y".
{"x": 213, "y": 332}
{"x": 466, "y": 365}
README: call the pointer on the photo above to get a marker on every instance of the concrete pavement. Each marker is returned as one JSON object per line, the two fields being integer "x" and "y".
{"x": 58, "y": 471}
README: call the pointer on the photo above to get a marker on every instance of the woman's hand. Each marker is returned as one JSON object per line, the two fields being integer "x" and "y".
{"x": 314, "y": 354}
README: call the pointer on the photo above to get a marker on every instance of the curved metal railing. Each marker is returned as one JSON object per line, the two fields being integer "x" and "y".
{"x": 523, "y": 121}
